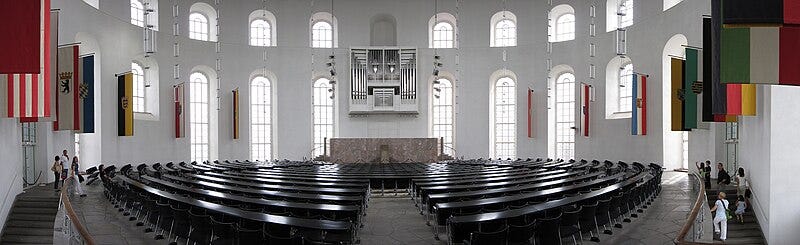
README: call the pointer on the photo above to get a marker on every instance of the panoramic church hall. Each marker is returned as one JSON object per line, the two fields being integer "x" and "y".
{"x": 376, "y": 122}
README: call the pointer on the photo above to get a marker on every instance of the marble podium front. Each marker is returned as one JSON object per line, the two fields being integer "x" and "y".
{"x": 383, "y": 150}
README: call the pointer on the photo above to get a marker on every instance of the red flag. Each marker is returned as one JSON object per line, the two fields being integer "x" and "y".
{"x": 22, "y": 24}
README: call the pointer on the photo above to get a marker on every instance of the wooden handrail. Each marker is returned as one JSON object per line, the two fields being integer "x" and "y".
{"x": 71, "y": 212}
{"x": 698, "y": 205}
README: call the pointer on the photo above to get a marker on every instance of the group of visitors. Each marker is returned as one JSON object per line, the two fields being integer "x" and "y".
{"x": 721, "y": 207}
{"x": 61, "y": 171}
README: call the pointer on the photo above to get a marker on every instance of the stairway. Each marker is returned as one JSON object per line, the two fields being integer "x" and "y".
{"x": 748, "y": 232}
{"x": 32, "y": 218}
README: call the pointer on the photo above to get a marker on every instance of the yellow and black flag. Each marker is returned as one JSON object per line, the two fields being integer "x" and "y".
{"x": 236, "y": 114}
{"x": 125, "y": 107}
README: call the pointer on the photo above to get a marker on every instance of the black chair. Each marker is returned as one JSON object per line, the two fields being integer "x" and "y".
{"x": 200, "y": 229}
{"x": 615, "y": 210}
{"x": 497, "y": 237}
{"x": 295, "y": 239}
{"x": 548, "y": 230}
{"x": 601, "y": 215}
{"x": 522, "y": 234}
{"x": 588, "y": 221}
{"x": 182, "y": 222}
{"x": 569, "y": 223}
{"x": 166, "y": 219}
{"x": 250, "y": 232}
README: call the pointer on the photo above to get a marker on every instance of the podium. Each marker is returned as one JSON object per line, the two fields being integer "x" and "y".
{"x": 384, "y": 150}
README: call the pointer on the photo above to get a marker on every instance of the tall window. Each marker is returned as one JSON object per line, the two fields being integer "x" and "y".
{"x": 625, "y": 13}
{"x": 322, "y": 35}
{"x": 625, "y": 88}
{"x": 565, "y": 116}
{"x": 199, "y": 116}
{"x": 505, "y": 33}
{"x": 443, "y": 35}
{"x": 443, "y": 113}
{"x": 198, "y": 27}
{"x": 565, "y": 27}
{"x": 137, "y": 13}
{"x": 505, "y": 119}
{"x": 323, "y": 114}
{"x": 260, "y": 119}
{"x": 260, "y": 33}
{"x": 138, "y": 87}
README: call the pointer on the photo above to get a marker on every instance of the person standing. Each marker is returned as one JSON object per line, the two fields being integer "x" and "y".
{"x": 707, "y": 173}
{"x": 721, "y": 216}
{"x": 723, "y": 178}
{"x": 76, "y": 176}
{"x": 741, "y": 205}
{"x": 741, "y": 182}
{"x": 57, "y": 168}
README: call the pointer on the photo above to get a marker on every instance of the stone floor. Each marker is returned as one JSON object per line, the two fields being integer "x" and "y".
{"x": 395, "y": 220}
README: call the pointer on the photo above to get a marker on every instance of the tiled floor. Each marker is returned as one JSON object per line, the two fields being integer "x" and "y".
{"x": 395, "y": 220}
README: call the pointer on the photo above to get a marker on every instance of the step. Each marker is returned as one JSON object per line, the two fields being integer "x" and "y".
{"x": 744, "y": 234}
{"x": 27, "y": 239}
{"x": 37, "y": 198}
{"x": 36, "y": 204}
{"x": 26, "y": 210}
{"x": 746, "y": 240}
{"x": 28, "y": 231}
{"x": 31, "y": 224}
{"x": 745, "y": 226}
{"x": 32, "y": 217}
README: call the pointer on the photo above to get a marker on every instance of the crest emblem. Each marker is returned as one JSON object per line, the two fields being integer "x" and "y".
{"x": 179, "y": 109}
{"x": 639, "y": 103}
{"x": 697, "y": 87}
{"x": 84, "y": 90}
{"x": 124, "y": 102}
{"x": 681, "y": 94}
{"x": 64, "y": 81}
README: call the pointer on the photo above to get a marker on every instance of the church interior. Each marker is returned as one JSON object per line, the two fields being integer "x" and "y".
{"x": 399, "y": 122}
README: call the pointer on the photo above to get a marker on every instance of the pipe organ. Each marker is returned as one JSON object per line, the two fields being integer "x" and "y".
{"x": 383, "y": 80}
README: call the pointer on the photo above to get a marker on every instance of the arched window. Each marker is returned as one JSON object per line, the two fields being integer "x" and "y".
{"x": 565, "y": 27}
{"x": 625, "y": 12}
{"x": 503, "y": 29}
{"x": 262, "y": 28}
{"x": 260, "y": 33}
{"x": 260, "y": 119}
{"x": 199, "y": 116}
{"x": 619, "y": 88}
{"x": 505, "y": 119}
{"x": 561, "y": 23}
{"x": 322, "y": 35}
{"x": 443, "y": 113}
{"x": 323, "y": 114}
{"x": 443, "y": 35}
{"x": 137, "y": 13}
{"x": 565, "y": 116}
{"x": 324, "y": 30}
{"x": 198, "y": 27}
{"x": 505, "y": 33}
{"x": 625, "y": 88}
{"x": 138, "y": 87}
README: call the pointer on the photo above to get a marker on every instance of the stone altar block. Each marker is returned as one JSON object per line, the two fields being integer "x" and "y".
{"x": 384, "y": 150}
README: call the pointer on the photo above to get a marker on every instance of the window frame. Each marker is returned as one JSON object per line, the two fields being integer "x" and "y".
{"x": 324, "y": 125}
{"x": 443, "y": 113}
{"x": 561, "y": 36}
{"x": 261, "y": 132}
{"x": 449, "y": 33}
{"x": 139, "y": 87}
{"x": 625, "y": 88}
{"x": 564, "y": 105}
{"x": 202, "y": 32}
{"x": 504, "y": 126}
{"x": 265, "y": 39}
{"x": 200, "y": 139}
{"x": 316, "y": 41}
{"x": 501, "y": 40}
{"x": 137, "y": 13}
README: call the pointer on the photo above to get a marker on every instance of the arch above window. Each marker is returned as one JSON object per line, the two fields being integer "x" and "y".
{"x": 619, "y": 74}
{"x": 503, "y": 29}
{"x": 671, "y": 3}
{"x": 619, "y": 14}
{"x": 442, "y": 31}
{"x": 263, "y": 30}
{"x": 561, "y": 23}
{"x": 324, "y": 30}
{"x": 202, "y": 22}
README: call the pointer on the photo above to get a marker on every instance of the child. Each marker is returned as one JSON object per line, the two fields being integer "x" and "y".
{"x": 741, "y": 205}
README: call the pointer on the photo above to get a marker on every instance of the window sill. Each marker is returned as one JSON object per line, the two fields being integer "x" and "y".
{"x": 619, "y": 115}
{"x": 144, "y": 116}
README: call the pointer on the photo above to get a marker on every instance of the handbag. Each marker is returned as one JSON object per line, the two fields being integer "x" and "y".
{"x": 728, "y": 215}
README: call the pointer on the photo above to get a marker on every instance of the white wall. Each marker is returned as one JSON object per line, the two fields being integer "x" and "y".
{"x": 118, "y": 42}
{"x": 11, "y": 174}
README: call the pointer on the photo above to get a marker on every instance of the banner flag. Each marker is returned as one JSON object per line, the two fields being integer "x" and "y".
{"x": 68, "y": 99}
{"x": 180, "y": 115}
{"x": 125, "y": 104}
{"x": 639, "y": 103}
